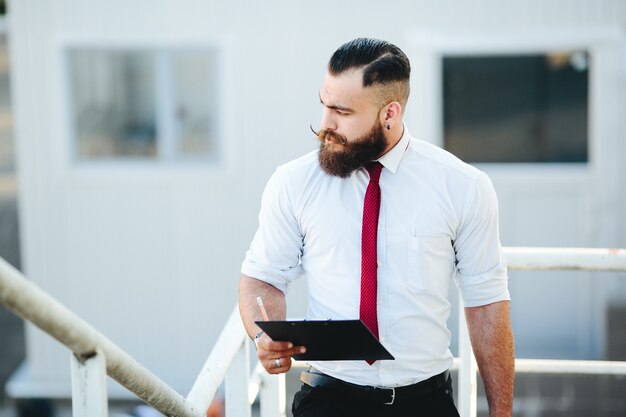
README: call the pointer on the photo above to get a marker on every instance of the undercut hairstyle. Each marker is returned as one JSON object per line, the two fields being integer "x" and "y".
{"x": 384, "y": 65}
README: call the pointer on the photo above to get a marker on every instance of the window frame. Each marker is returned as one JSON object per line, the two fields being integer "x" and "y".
{"x": 164, "y": 91}
{"x": 427, "y": 50}
{"x": 522, "y": 151}
{"x": 66, "y": 164}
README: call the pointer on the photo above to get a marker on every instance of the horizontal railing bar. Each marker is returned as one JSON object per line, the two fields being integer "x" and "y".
{"x": 564, "y": 366}
{"x": 560, "y": 366}
{"x": 582, "y": 259}
{"x": 214, "y": 370}
{"x": 29, "y": 302}
{"x": 545, "y": 366}
{"x": 548, "y": 366}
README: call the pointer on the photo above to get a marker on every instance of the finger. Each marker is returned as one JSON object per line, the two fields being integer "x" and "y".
{"x": 267, "y": 346}
{"x": 296, "y": 350}
{"x": 284, "y": 348}
{"x": 266, "y": 343}
{"x": 277, "y": 365}
{"x": 277, "y": 346}
{"x": 266, "y": 355}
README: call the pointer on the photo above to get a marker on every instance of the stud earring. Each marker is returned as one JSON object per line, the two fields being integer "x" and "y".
{"x": 388, "y": 127}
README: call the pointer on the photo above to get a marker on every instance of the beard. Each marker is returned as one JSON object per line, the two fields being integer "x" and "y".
{"x": 352, "y": 155}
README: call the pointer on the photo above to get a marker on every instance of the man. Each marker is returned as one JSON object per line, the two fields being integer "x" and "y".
{"x": 379, "y": 223}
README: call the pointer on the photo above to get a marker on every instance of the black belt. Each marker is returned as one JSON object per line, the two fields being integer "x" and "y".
{"x": 379, "y": 395}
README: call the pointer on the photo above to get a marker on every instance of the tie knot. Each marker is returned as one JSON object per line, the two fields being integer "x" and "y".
{"x": 374, "y": 169}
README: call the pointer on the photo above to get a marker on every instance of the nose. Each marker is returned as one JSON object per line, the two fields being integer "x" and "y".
{"x": 328, "y": 122}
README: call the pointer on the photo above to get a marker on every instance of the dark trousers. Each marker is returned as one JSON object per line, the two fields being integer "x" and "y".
{"x": 326, "y": 402}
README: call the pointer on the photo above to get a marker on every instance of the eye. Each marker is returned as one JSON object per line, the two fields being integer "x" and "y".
{"x": 342, "y": 113}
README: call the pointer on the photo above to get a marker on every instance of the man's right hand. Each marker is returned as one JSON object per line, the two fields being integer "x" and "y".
{"x": 276, "y": 356}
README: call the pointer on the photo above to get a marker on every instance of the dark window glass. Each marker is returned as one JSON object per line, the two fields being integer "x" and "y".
{"x": 530, "y": 108}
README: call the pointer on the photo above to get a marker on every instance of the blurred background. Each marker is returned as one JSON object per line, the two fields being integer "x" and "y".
{"x": 136, "y": 138}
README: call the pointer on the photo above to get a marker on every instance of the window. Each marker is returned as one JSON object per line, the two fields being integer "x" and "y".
{"x": 530, "y": 108}
{"x": 143, "y": 104}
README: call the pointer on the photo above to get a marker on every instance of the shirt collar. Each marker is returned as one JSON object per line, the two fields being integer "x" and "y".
{"x": 391, "y": 160}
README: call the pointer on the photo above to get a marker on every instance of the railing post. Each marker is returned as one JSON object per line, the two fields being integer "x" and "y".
{"x": 236, "y": 389}
{"x": 467, "y": 369}
{"x": 272, "y": 395}
{"x": 89, "y": 386}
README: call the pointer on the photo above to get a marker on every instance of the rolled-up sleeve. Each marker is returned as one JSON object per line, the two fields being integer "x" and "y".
{"x": 481, "y": 269}
{"x": 274, "y": 255}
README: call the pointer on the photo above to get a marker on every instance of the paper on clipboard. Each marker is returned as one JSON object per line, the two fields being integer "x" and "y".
{"x": 328, "y": 340}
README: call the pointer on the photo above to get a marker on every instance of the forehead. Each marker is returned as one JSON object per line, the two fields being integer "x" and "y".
{"x": 345, "y": 90}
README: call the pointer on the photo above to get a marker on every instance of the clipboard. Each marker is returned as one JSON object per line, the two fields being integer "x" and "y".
{"x": 328, "y": 340}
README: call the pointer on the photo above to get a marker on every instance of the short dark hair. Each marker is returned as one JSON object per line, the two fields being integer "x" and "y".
{"x": 382, "y": 62}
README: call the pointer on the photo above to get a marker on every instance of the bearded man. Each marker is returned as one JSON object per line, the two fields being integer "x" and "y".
{"x": 380, "y": 224}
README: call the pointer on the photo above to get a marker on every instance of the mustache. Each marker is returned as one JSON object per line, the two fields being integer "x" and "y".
{"x": 325, "y": 135}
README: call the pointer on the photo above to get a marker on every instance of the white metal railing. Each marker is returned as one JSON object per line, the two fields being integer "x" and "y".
{"x": 536, "y": 259}
{"x": 95, "y": 356}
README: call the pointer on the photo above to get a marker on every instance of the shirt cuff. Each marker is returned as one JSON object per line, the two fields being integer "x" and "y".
{"x": 483, "y": 289}
{"x": 275, "y": 277}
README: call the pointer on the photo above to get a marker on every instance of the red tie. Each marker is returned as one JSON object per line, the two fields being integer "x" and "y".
{"x": 369, "y": 254}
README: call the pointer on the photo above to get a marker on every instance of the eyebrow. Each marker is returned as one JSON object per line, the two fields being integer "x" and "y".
{"x": 335, "y": 106}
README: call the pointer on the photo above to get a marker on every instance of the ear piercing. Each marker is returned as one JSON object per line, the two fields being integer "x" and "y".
{"x": 388, "y": 127}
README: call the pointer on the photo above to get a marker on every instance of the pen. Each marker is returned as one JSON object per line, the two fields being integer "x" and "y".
{"x": 259, "y": 301}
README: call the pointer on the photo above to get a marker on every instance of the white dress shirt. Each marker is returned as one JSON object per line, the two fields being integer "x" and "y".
{"x": 438, "y": 220}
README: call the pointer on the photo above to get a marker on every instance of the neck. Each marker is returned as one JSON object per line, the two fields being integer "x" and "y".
{"x": 393, "y": 136}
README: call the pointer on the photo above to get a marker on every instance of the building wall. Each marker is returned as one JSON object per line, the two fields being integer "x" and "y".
{"x": 150, "y": 254}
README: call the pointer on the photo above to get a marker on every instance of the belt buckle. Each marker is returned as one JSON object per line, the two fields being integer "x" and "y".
{"x": 393, "y": 396}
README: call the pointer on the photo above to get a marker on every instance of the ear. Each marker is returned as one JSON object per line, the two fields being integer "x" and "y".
{"x": 391, "y": 114}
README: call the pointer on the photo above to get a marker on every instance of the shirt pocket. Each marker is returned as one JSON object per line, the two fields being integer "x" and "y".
{"x": 430, "y": 263}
